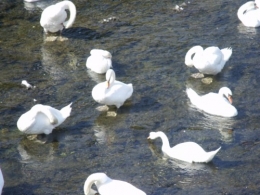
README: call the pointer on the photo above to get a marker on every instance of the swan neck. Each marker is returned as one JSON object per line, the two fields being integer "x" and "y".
{"x": 72, "y": 8}
{"x": 97, "y": 178}
{"x": 165, "y": 141}
{"x": 247, "y": 6}
{"x": 188, "y": 57}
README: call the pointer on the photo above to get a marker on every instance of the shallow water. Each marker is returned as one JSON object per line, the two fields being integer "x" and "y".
{"x": 148, "y": 41}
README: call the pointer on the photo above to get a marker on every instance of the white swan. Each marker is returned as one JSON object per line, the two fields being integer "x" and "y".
{"x": 214, "y": 103}
{"x": 42, "y": 119}
{"x": 1, "y": 182}
{"x": 108, "y": 186}
{"x": 99, "y": 61}
{"x": 209, "y": 61}
{"x": 187, "y": 151}
{"x": 53, "y": 17}
{"x": 112, "y": 92}
{"x": 249, "y": 14}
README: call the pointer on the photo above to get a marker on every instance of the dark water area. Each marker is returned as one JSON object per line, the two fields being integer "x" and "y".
{"x": 148, "y": 41}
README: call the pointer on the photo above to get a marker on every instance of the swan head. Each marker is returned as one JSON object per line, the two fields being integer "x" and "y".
{"x": 154, "y": 135}
{"x": 257, "y": 3}
{"x": 226, "y": 92}
{"x": 110, "y": 77}
{"x": 107, "y": 54}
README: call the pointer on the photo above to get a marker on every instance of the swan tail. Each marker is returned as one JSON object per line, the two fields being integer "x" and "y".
{"x": 193, "y": 96}
{"x": 211, "y": 155}
{"x": 227, "y": 52}
{"x": 66, "y": 111}
{"x": 72, "y": 8}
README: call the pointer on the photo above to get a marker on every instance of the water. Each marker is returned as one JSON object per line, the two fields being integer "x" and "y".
{"x": 148, "y": 41}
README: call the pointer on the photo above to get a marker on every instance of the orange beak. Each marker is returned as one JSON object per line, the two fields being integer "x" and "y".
{"x": 230, "y": 99}
{"x": 148, "y": 138}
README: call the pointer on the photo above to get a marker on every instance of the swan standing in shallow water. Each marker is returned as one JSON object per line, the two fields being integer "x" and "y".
{"x": 214, "y": 103}
{"x": 99, "y": 61}
{"x": 249, "y": 14}
{"x": 1, "y": 182}
{"x": 187, "y": 151}
{"x": 53, "y": 17}
{"x": 42, "y": 119}
{"x": 108, "y": 186}
{"x": 209, "y": 61}
{"x": 112, "y": 92}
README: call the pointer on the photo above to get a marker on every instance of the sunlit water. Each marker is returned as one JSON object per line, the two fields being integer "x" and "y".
{"x": 148, "y": 41}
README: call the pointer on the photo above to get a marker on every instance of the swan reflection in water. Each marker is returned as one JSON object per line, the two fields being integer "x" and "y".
{"x": 39, "y": 4}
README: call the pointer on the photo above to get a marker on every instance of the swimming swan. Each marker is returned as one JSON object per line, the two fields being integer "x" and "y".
{"x": 1, "y": 182}
{"x": 108, "y": 186}
{"x": 249, "y": 14}
{"x": 187, "y": 151}
{"x": 99, "y": 61}
{"x": 42, "y": 119}
{"x": 53, "y": 17}
{"x": 112, "y": 92}
{"x": 214, "y": 103}
{"x": 209, "y": 61}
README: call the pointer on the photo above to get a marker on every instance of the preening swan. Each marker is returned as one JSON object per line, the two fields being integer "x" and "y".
{"x": 99, "y": 61}
{"x": 209, "y": 61}
{"x": 108, "y": 186}
{"x": 53, "y": 17}
{"x": 187, "y": 151}
{"x": 42, "y": 119}
{"x": 1, "y": 182}
{"x": 214, "y": 103}
{"x": 112, "y": 92}
{"x": 249, "y": 14}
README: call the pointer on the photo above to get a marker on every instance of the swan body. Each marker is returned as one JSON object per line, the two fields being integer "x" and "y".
{"x": 1, "y": 181}
{"x": 112, "y": 92}
{"x": 42, "y": 119}
{"x": 99, "y": 61}
{"x": 108, "y": 186}
{"x": 53, "y": 17}
{"x": 219, "y": 104}
{"x": 187, "y": 151}
{"x": 209, "y": 61}
{"x": 249, "y": 14}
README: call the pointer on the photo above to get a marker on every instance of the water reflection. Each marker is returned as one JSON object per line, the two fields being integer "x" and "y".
{"x": 249, "y": 32}
{"x": 31, "y": 6}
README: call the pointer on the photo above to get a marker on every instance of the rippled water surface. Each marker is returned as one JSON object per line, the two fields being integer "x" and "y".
{"x": 148, "y": 41}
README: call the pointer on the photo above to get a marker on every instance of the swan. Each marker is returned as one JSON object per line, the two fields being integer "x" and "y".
{"x": 1, "y": 181}
{"x": 249, "y": 14}
{"x": 187, "y": 151}
{"x": 112, "y": 92}
{"x": 209, "y": 61}
{"x": 53, "y": 17}
{"x": 214, "y": 103}
{"x": 42, "y": 119}
{"x": 108, "y": 186}
{"x": 99, "y": 61}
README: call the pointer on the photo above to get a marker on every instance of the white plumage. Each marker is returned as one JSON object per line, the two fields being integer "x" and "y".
{"x": 249, "y": 14}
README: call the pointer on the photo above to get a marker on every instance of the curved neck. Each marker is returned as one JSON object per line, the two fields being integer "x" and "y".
{"x": 165, "y": 141}
{"x": 98, "y": 178}
{"x": 193, "y": 50}
{"x": 71, "y": 7}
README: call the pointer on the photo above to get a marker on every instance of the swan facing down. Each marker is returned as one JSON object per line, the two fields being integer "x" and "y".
{"x": 112, "y": 92}
{"x": 42, "y": 119}
{"x": 209, "y": 61}
{"x": 1, "y": 182}
{"x": 108, "y": 186}
{"x": 187, "y": 151}
{"x": 214, "y": 103}
{"x": 99, "y": 61}
{"x": 53, "y": 17}
{"x": 249, "y": 14}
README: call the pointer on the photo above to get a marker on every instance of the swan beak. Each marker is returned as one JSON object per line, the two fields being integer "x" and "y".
{"x": 230, "y": 99}
{"x": 107, "y": 84}
{"x": 148, "y": 138}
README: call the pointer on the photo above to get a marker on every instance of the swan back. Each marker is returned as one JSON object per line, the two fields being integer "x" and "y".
{"x": 42, "y": 119}
{"x": 213, "y": 103}
{"x": 249, "y": 14}
{"x": 1, "y": 181}
{"x": 112, "y": 92}
{"x": 53, "y": 17}
{"x": 108, "y": 186}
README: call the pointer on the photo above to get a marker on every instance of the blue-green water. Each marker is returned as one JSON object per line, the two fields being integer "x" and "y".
{"x": 148, "y": 41}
